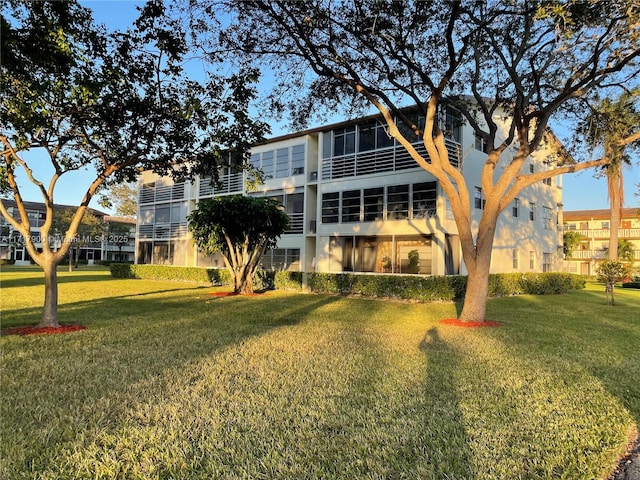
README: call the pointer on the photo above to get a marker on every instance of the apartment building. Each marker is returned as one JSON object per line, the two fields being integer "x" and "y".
{"x": 115, "y": 241}
{"x": 593, "y": 227}
{"x": 359, "y": 203}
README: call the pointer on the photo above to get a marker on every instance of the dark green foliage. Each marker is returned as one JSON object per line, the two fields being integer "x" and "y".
{"x": 441, "y": 288}
{"x": 164, "y": 272}
{"x": 288, "y": 280}
{"x": 631, "y": 285}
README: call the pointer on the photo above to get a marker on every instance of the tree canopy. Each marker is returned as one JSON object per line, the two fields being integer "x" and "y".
{"x": 508, "y": 68}
{"x": 110, "y": 103}
{"x": 241, "y": 228}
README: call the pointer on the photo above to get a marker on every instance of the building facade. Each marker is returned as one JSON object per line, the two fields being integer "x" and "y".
{"x": 593, "y": 228}
{"x": 114, "y": 241}
{"x": 359, "y": 203}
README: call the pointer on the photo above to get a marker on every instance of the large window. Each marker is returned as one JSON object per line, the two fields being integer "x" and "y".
{"x": 351, "y": 206}
{"x": 424, "y": 200}
{"x": 373, "y": 135}
{"x": 397, "y": 202}
{"x": 546, "y": 261}
{"x": 344, "y": 140}
{"x": 280, "y": 163}
{"x": 373, "y": 204}
{"x": 330, "y": 207}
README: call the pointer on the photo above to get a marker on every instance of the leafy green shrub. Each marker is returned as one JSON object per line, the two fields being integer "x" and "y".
{"x": 288, "y": 281}
{"x": 440, "y": 288}
{"x": 166, "y": 272}
{"x": 6, "y": 261}
{"x": 631, "y": 285}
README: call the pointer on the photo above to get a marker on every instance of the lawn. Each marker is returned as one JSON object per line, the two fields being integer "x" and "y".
{"x": 169, "y": 382}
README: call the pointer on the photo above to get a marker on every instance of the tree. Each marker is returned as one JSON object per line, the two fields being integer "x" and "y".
{"x": 508, "y": 68}
{"x": 90, "y": 230}
{"x": 608, "y": 123}
{"x": 609, "y": 272}
{"x": 119, "y": 234}
{"x": 625, "y": 251}
{"x": 108, "y": 103}
{"x": 241, "y": 229}
{"x": 571, "y": 240}
{"x": 123, "y": 197}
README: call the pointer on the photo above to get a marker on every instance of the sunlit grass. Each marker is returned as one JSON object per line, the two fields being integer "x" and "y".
{"x": 168, "y": 382}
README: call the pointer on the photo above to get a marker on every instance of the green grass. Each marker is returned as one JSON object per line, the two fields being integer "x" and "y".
{"x": 168, "y": 382}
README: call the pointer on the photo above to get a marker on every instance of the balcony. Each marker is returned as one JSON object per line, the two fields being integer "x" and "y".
{"x": 605, "y": 233}
{"x": 390, "y": 159}
{"x": 595, "y": 255}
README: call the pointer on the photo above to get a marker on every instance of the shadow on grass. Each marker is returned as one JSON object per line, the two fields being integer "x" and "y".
{"x": 587, "y": 333}
{"x": 450, "y": 445}
{"x": 108, "y": 363}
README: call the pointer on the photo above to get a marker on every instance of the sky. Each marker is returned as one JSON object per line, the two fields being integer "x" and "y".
{"x": 581, "y": 191}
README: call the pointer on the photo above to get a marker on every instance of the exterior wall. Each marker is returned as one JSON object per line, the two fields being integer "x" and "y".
{"x": 354, "y": 208}
{"x": 593, "y": 226}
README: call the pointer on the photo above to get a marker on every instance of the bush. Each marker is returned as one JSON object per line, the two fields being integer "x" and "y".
{"x": 631, "y": 285}
{"x": 165, "y": 272}
{"x": 6, "y": 261}
{"x": 443, "y": 288}
{"x": 406, "y": 287}
{"x": 288, "y": 281}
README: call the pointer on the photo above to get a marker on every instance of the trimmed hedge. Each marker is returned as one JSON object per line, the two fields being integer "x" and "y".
{"x": 165, "y": 272}
{"x": 441, "y": 287}
{"x": 631, "y": 285}
{"x": 406, "y": 287}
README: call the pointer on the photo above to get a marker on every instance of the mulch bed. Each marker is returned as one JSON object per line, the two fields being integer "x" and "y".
{"x": 234, "y": 294}
{"x": 36, "y": 330}
{"x": 457, "y": 323}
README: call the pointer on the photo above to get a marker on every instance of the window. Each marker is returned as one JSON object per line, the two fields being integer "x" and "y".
{"x": 532, "y": 260}
{"x": 514, "y": 256}
{"x": 570, "y": 226}
{"x": 373, "y": 204}
{"x": 481, "y": 144}
{"x": 546, "y": 218}
{"x": 532, "y": 168}
{"x": 267, "y": 164}
{"x": 532, "y": 211}
{"x": 424, "y": 200}
{"x": 604, "y": 225}
{"x": 297, "y": 160}
{"x": 351, "y": 206}
{"x": 547, "y": 181}
{"x": 330, "y": 207}
{"x": 546, "y": 261}
{"x": 584, "y": 225}
{"x": 163, "y": 214}
{"x": 398, "y": 202}
{"x": 452, "y": 124}
{"x": 515, "y": 209}
{"x": 282, "y": 162}
{"x": 344, "y": 141}
{"x": 479, "y": 200}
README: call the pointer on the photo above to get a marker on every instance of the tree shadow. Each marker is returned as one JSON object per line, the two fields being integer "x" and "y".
{"x": 150, "y": 340}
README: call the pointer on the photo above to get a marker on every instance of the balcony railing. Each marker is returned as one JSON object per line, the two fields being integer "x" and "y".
{"x": 595, "y": 255}
{"x": 389, "y": 159}
{"x": 604, "y": 233}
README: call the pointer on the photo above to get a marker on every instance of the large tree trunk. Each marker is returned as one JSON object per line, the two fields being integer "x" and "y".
{"x": 242, "y": 282}
{"x": 50, "y": 311}
{"x": 478, "y": 262}
{"x": 475, "y": 297}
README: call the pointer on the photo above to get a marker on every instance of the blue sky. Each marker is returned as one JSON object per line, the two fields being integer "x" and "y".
{"x": 580, "y": 191}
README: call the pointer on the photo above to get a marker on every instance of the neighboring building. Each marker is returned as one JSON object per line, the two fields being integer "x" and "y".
{"x": 593, "y": 226}
{"x": 116, "y": 242}
{"x": 359, "y": 203}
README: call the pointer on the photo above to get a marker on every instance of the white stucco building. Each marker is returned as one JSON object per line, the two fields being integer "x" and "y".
{"x": 359, "y": 203}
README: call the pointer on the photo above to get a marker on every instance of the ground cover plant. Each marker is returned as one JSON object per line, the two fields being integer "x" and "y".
{"x": 168, "y": 381}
